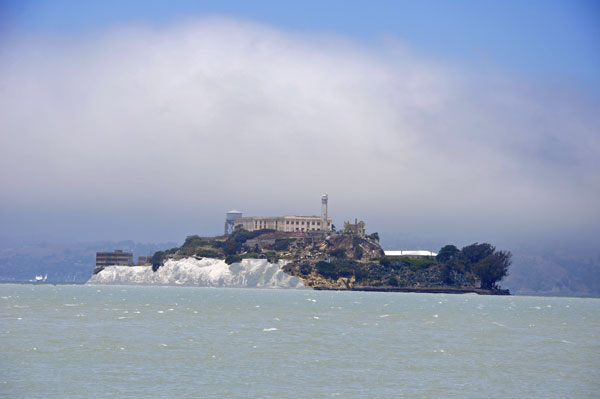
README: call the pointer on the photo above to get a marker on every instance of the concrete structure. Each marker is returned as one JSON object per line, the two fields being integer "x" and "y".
{"x": 117, "y": 257}
{"x": 410, "y": 254}
{"x": 283, "y": 223}
{"x": 324, "y": 218}
{"x": 357, "y": 228}
{"x": 230, "y": 218}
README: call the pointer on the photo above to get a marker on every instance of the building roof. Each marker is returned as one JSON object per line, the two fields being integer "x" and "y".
{"x": 418, "y": 252}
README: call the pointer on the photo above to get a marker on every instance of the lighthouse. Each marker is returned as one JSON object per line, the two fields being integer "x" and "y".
{"x": 324, "y": 226}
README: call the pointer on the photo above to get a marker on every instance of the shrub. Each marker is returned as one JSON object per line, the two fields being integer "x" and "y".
{"x": 194, "y": 241}
{"x": 326, "y": 269}
{"x": 416, "y": 264}
{"x": 233, "y": 259}
{"x": 338, "y": 253}
{"x": 358, "y": 252}
{"x": 282, "y": 244}
{"x": 157, "y": 260}
{"x": 305, "y": 268}
{"x": 207, "y": 253}
{"x": 374, "y": 236}
{"x": 232, "y": 247}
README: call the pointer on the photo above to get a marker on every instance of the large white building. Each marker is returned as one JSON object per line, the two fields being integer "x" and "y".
{"x": 287, "y": 223}
{"x": 282, "y": 223}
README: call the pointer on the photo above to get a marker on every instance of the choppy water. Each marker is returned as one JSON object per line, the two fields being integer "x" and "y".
{"x": 140, "y": 342}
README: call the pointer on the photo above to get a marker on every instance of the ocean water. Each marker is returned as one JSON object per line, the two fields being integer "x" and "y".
{"x": 185, "y": 342}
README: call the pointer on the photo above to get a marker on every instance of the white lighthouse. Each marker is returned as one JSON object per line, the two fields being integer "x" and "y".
{"x": 324, "y": 226}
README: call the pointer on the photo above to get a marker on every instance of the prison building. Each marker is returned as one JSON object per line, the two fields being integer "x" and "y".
{"x": 282, "y": 223}
{"x": 117, "y": 257}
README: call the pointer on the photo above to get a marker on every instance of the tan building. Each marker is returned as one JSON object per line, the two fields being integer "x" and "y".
{"x": 282, "y": 223}
{"x": 117, "y": 257}
{"x": 356, "y": 228}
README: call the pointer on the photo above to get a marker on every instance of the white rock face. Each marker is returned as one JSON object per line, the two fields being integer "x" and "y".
{"x": 203, "y": 273}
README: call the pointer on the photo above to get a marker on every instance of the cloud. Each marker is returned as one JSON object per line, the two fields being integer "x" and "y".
{"x": 186, "y": 121}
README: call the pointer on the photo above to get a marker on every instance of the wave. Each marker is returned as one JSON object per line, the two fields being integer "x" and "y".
{"x": 206, "y": 272}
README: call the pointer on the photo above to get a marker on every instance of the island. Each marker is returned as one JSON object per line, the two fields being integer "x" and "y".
{"x": 321, "y": 260}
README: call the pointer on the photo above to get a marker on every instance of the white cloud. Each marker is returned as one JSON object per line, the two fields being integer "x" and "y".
{"x": 197, "y": 118}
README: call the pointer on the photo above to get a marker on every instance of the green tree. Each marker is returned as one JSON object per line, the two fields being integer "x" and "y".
{"x": 157, "y": 260}
{"x": 474, "y": 253}
{"x": 448, "y": 252}
{"x": 492, "y": 268}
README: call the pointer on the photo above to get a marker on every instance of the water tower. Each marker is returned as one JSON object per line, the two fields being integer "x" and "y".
{"x": 230, "y": 220}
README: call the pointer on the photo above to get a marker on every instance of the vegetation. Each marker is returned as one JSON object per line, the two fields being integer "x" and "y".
{"x": 342, "y": 268}
{"x": 233, "y": 259}
{"x": 282, "y": 244}
{"x": 374, "y": 236}
{"x": 207, "y": 253}
{"x": 447, "y": 253}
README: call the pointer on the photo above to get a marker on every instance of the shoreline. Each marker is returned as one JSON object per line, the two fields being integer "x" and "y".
{"x": 428, "y": 290}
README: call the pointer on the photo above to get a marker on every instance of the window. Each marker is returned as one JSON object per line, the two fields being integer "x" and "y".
{"x": 303, "y": 222}
{"x": 287, "y": 222}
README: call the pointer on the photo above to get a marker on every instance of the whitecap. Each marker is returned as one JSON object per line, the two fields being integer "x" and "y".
{"x": 316, "y": 317}
{"x": 160, "y": 311}
{"x": 121, "y": 317}
{"x": 436, "y": 316}
{"x": 384, "y": 315}
{"x": 270, "y": 329}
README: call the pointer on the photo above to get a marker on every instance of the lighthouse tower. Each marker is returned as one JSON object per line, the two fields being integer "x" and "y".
{"x": 324, "y": 226}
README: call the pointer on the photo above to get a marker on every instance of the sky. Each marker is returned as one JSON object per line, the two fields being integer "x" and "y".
{"x": 148, "y": 120}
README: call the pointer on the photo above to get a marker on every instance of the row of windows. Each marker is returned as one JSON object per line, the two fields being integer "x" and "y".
{"x": 314, "y": 223}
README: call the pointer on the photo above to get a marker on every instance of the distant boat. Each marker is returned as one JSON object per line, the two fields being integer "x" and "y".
{"x": 40, "y": 278}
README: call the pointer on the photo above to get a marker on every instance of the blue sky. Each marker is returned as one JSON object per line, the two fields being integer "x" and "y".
{"x": 543, "y": 39}
{"x": 464, "y": 121}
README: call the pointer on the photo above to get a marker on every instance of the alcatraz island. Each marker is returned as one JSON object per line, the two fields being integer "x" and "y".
{"x": 311, "y": 249}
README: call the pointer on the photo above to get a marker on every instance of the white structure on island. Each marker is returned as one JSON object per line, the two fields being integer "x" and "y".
{"x": 230, "y": 218}
{"x": 324, "y": 218}
{"x": 234, "y": 220}
{"x": 410, "y": 254}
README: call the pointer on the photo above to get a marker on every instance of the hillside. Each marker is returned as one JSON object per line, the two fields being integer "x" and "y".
{"x": 344, "y": 261}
